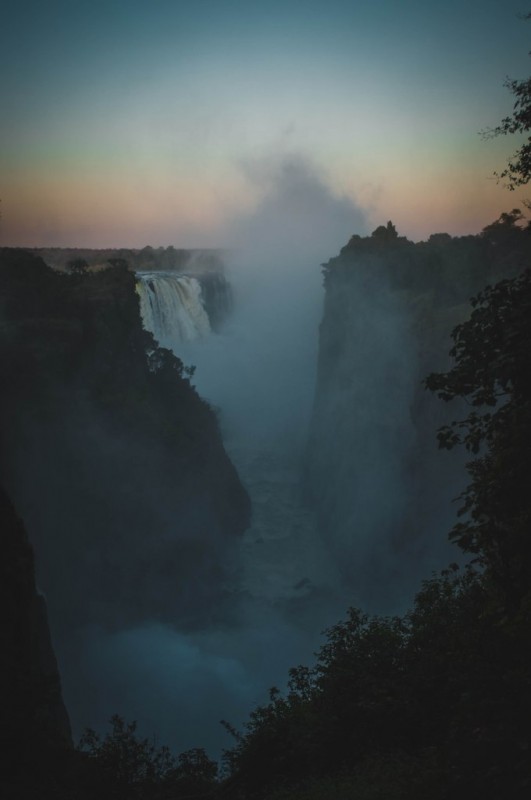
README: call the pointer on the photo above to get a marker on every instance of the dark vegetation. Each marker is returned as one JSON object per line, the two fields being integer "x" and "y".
{"x": 432, "y": 704}
{"x": 435, "y": 703}
{"x": 35, "y": 732}
{"x": 389, "y": 306}
{"x": 148, "y": 258}
{"x": 518, "y": 170}
{"x": 114, "y": 462}
{"x": 492, "y": 361}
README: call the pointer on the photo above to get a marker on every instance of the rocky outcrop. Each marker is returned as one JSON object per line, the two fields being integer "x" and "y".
{"x": 31, "y": 706}
{"x": 114, "y": 460}
{"x": 382, "y": 490}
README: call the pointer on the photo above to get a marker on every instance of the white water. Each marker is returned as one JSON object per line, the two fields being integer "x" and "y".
{"x": 259, "y": 373}
{"x": 171, "y": 307}
{"x": 263, "y": 392}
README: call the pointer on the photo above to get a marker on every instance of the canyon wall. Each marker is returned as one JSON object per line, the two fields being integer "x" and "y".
{"x": 382, "y": 490}
{"x": 35, "y": 723}
{"x": 113, "y": 459}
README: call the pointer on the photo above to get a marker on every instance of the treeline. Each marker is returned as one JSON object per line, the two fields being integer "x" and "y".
{"x": 148, "y": 258}
{"x": 445, "y": 266}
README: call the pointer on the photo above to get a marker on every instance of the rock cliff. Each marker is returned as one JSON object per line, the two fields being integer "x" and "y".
{"x": 381, "y": 490}
{"x": 34, "y": 718}
{"x": 113, "y": 459}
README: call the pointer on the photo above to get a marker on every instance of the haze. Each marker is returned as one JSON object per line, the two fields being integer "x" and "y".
{"x": 276, "y": 130}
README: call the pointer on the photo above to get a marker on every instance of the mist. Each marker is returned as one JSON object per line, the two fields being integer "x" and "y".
{"x": 364, "y": 448}
{"x": 259, "y": 375}
{"x": 179, "y": 686}
{"x": 260, "y": 371}
{"x": 187, "y": 654}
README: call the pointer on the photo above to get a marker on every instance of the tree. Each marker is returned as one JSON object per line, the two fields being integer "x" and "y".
{"x": 118, "y": 263}
{"x": 505, "y": 224}
{"x": 129, "y": 762}
{"x": 131, "y": 767}
{"x": 518, "y": 170}
{"x": 77, "y": 266}
{"x": 492, "y": 373}
{"x": 385, "y": 233}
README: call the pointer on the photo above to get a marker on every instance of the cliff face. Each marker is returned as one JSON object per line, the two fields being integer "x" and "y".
{"x": 381, "y": 488}
{"x": 31, "y": 706}
{"x": 115, "y": 462}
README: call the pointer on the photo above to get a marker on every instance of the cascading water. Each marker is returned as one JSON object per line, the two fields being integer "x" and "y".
{"x": 256, "y": 367}
{"x": 172, "y": 307}
{"x": 282, "y": 556}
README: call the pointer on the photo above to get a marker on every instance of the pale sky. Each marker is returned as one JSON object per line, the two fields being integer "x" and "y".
{"x": 128, "y": 124}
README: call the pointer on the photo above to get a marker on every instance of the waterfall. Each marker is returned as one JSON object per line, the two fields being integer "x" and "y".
{"x": 171, "y": 305}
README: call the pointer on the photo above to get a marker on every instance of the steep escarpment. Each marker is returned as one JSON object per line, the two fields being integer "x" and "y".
{"x": 34, "y": 720}
{"x": 113, "y": 459}
{"x": 381, "y": 490}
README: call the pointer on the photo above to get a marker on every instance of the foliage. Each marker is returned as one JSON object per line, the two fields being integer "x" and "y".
{"x": 104, "y": 420}
{"x": 118, "y": 263}
{"x": 436, "y": 701}
{"x": 387, "y": 233}
{"x": 446, "y": 687}
{"x": 492, "y": 372}
{"x": 518, "y": 170}
{"x": 77, "y": 266}
{"x": 128, "y": 761}
{"x": 504, "y": 227}
{"x": 396, "y": 776}
{"x": 131, "y": 767}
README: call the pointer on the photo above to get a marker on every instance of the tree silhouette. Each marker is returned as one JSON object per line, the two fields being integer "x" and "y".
{"x": 518, "y": 170}
{"x": 77, "y": 266}
{"x": 492, "y": 372}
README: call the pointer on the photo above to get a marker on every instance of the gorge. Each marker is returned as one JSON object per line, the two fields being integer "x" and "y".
{"x": 193, "y": 541}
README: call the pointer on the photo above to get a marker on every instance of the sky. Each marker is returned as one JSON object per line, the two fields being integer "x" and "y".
{"x": 134, "y": 124}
